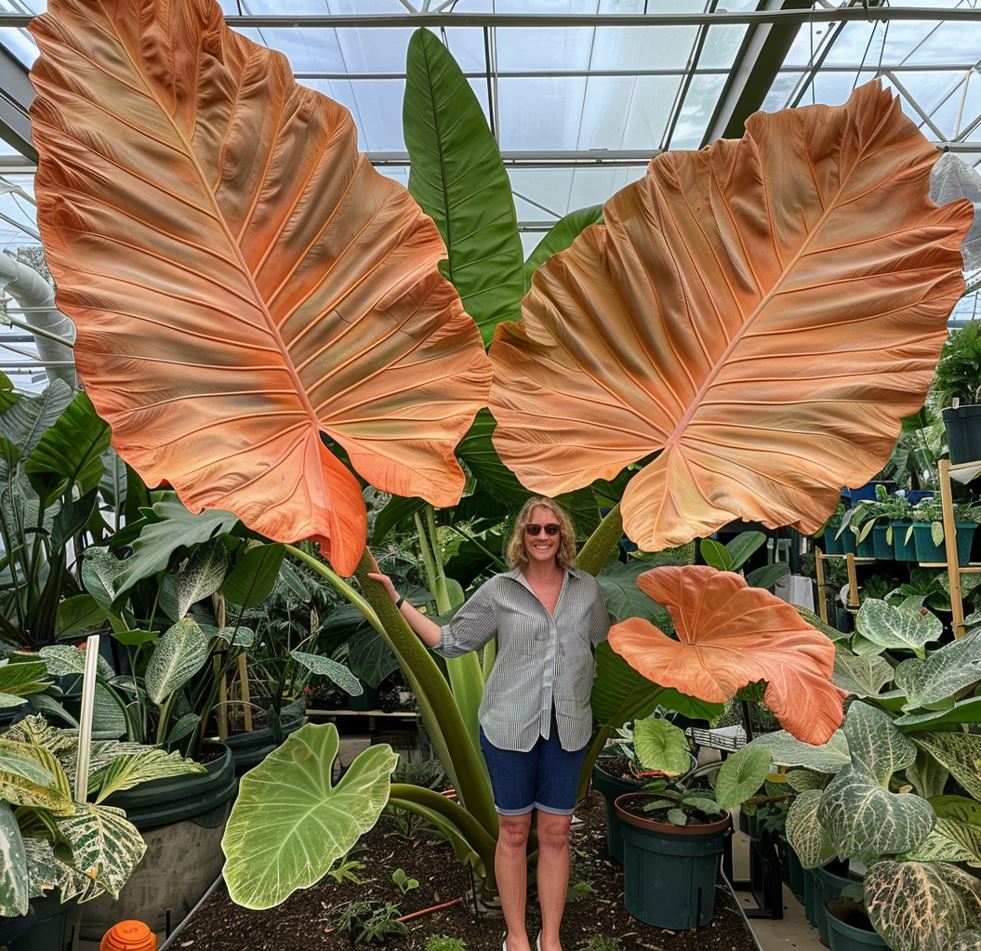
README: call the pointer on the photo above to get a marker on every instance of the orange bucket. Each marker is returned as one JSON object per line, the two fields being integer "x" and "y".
{"x": 129, "y": 936}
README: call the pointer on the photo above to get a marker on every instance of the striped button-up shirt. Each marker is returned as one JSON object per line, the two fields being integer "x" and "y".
{"x": 542, "y": 659}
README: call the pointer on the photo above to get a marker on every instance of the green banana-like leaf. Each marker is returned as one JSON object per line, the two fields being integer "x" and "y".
{"x": 625, "y": 600}
{"x": 921, "y": 906}
{"x": 165, "y": 529}
{"x": 861, "y": 675}
{"x": 253, "y": 578}
{"x": 806, "y": 834}
{"x": 8, "y": 700}
{"x": 31, "y": 776}
{"x": 14, "y": 897}
{"x": 23, "y": 677}
{"x": 958, "y": 752}
{"x": 661, "y": 746}
{"x": 106, "y": 846}
{"x": 331, "y": 669}
{"x": 863, "y": 817}
{"x": 125, "y": 772}
{"x": 897, "y": 628}
{"x": 457, "y": 176}
{"x": 289, "y": 824}
{"x": 26, "y": 422}
{"x": 176, "y": 658}
{"x": 70, "y": 452}
{"x": 741, "y": 776}
{"x": 944, "y": 673}
{"x": 560, "y": 236}
{"x": 963, "y": 711}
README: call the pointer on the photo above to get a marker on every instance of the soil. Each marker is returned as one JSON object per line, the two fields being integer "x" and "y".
{"x": 303, "y": 921}
{"x": 636, "y": 807}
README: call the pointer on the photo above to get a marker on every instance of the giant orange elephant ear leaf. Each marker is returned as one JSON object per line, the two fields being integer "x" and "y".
{"x": 731, "y": 635}
{"x": 763, "y": 313}
{"x": 247, "y": 289}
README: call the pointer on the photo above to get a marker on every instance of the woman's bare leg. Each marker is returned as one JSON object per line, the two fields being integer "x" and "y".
{"x": 553, "y": 874}
{"x": 511, "y": 868}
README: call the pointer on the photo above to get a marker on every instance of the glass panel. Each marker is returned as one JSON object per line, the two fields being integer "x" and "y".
{"x": 626, "y": 113}
{"x": 20, "y": 43}
{"x": 541, "y": 113}
{"x": 556, "y": 49}
{"x": 373, "y": 50}
{"x": 467, "y": 47}
{"x": 549, "y": 187}
{"x": 939, "y": 95}
{"x": 703, "y": 95}
{"x": 593, "y": 186}
{"x": 644, "y": 47}
{"x": 781, "y": 91}
{"x": 721, "y": 46}
{"x": 308, "y": 50}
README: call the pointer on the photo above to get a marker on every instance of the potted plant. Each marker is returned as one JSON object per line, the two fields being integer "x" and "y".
{"x": 927, "y": 530}
{"x": 61, "y": 852}
{"x": 674, "y": 830}
{"x": 833, "y": 544}
{"x": 956, "y": 388}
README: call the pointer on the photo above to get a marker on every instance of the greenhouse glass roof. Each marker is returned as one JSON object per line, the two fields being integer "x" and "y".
{"x": 579, "y": 93}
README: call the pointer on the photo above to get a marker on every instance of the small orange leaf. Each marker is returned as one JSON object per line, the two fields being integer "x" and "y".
{"x": 243, "y": 282}
{"x": 731, "y": 635}
{"x": 762, "y": 312}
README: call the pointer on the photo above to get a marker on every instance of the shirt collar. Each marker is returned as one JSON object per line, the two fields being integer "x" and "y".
{"x": 517, "y": 574}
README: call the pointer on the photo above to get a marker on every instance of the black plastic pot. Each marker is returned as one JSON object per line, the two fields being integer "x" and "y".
{"x": 669, "y": 871}
{"x": 368, "y": 699}
{"x": 847, "y": 937}
{"x": 963, "y": 433}
{"x": 609, "y": 787}
{"x": 250, "y": 749}
{"x": 11, "y": 928}
{"x": 182, "y": 819}
{"x": 53, "y": 928}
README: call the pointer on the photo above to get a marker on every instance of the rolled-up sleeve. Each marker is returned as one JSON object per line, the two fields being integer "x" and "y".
{"x": 599, "y": 626}
{"x": 472, "y": 626}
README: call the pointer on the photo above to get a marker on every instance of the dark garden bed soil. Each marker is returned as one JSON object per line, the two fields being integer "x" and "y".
{"x": 303, "y": 922}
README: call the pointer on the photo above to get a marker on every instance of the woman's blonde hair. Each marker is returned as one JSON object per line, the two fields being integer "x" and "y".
{"x": 515, "y": 553}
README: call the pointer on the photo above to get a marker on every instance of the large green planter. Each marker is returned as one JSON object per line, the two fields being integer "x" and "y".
{"x": 904, "y": 550}
{"x": 182, "y": 820}
{"x": 54, "y": 926}
{"x": 847, "y": 937}
{"x": 832, "y": 545}
{"x": 810, "y": 897}
{"x": 829, "y": 886}
{"x": 795, "y": 871}
{"x": 250, "y": 749}
{"x": 883, "y": 550}
{"x": 609, "y": 787}
{"x": 927, "y": 551}
{"x": 866, "y": 547}
{"x": 669, "y": 871}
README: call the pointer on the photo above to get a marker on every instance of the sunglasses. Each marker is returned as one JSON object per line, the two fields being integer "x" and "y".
{"x": 532, "y": 528}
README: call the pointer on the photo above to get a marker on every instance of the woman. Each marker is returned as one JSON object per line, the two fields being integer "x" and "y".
{"x": 535, "y": 720}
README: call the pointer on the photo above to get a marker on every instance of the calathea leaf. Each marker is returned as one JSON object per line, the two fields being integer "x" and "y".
{"x": 283, "y": 309}
{"x": 127, "y": 771}
{"x": 921, "y": 906}
{"x": 13, "y": 866}
{"x": 950, "y": 841}
{"x": 198, "y": 578}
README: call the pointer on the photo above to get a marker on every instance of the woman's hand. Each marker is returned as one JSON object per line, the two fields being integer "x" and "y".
{"x": 386, "y": 583}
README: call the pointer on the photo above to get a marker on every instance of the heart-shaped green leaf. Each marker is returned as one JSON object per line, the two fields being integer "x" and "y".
{"x": 741, "y": 776}
{"x": 289, "y": 824}
{"x": 897, "y": 628}
{"x": 805, "y": 833}
{"x": 944, "y": 673}
{"x": 787, "y": 750}
{"x": 861, "y": 675}
{"x": 661, "y": 746}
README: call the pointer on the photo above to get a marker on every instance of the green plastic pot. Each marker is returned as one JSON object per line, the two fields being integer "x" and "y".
{"x": 883, "y": 550}
{"x": 832, "y": 545}
{"x": 669, "y": 871}
{"x": 54, "y": 925}
{"x": 829, "y": 885}
{"x": 250, "y": 749}
{"x": 847, "y": 539}
{"x": 927, "y": 551}
{"x": 866, "y": 547}
{"x": 846, "y": 937}
{"x": 795, "y": 871}
{"x": 609, "y": 787}
{"x": 904, "y": 550}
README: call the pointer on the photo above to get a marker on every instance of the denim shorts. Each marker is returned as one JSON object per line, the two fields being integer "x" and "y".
{"x": 545, "y": 778}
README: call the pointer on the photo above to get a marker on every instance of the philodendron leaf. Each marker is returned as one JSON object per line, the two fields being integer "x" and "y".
{"x": 200, "y": 577}
{"x": 106, "y": 846}
{"x": 325, "y": 667}
{"x": 897, "y": 628}
{"x": 863, "y": 676}
{"x": 958, "y": 752}
{"x": 176, "y": 658}
{"x": 863, "y": 817}
{"x": 944, "y": 673}
{"x": 921, "y": 906}
{"x": 741, "y": 775}
{"x": 661, "y": 746}
{"x": 289, "y": 824}
{"x": 125, "y": 772}
{"x": 787, "y": 750}
{"x": 13, "y": 866}
{"x": 805, "y": 833}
